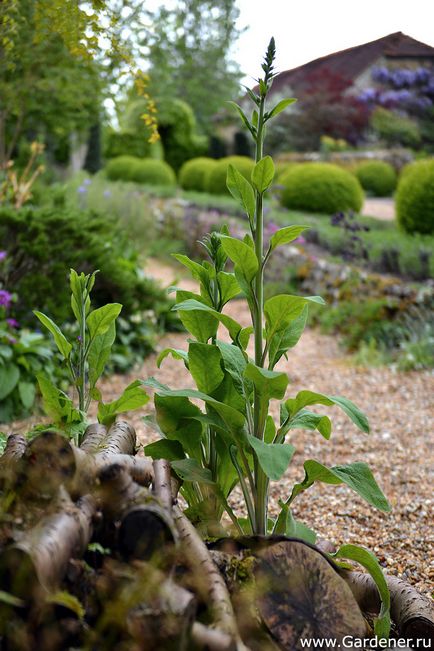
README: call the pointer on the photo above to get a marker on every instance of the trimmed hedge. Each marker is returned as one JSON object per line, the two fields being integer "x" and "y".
{"x": 193, "y": 173}
{"x": 140, "y": 170}
{"x": 415, "y": 198}
{"x": 215, "y": 181}
{"x": 321, "y": 188}
{"x": 377, "y": 178}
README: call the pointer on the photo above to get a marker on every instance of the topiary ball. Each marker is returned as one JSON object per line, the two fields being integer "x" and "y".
{"x": 121, "y": 168}
{"x": 153, "y": 172}
{"x": 215, "y": 180}
{"x": 415, "y": 198}
{"x": 320, "y": 187}
{"x": 377, "y": 178}
{"x": 193, "y": 173}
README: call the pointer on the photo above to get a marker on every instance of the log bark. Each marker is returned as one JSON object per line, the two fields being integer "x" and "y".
{"x": 145, "y": 528}
{"x": 9, "y": 461}
{"x": 412, "y": 612}
{"x": 162, "y": 482}
{"x": 211, "y": 585}
{"x": 93, "y": 438}
{"x": 38, "y": 562}
{"x": 209, "y": 639}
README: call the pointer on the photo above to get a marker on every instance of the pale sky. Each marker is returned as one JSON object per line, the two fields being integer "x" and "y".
{"x": 307, "y": 29}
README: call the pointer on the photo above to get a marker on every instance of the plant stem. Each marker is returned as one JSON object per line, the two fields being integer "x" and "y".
{"x": 260, "y": 478}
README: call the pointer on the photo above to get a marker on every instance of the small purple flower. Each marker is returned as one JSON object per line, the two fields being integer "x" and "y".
{"x": 3, "y": 255}
{"x": 82, "y": 189}
{"x": 12, "y": 340}
{"x": 271, "y": 228}
{"x": 300, "y": 240}
{"x": 5, "y": 298}
{"x": 87, "y": 182}
{"x": 12, "y": 323}
{"x": 107, "y": 194}
{"x": 79, "y": 339}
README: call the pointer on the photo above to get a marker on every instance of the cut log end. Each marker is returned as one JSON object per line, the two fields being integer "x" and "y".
{"x": 300, "y": 596}
{"x": 144, "y": 533}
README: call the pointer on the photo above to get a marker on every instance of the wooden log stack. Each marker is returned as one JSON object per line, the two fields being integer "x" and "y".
{"x": 95, "y": 553}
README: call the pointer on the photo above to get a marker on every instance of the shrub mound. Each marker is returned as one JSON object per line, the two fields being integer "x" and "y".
{"x": 215, "y": 181}
{"x": 140, "y": 170}
{"x": 193, "y": 173}
{"x": 377, "y": 178}
{"x": 322, "y": 188}
{"x": 415, "y": 198}
{"x": 43, "y": 244}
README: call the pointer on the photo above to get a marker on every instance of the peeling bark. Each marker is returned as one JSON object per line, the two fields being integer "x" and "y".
{"x": 412, "y": 612}
{"x": 145, "y": 527}
{"x": 9, "y": 461}
{"x": 93, "y": 438}
{"x": 39, "y": 560}
{"x": 210, "y": 583}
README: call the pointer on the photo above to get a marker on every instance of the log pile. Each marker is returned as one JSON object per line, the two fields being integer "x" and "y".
{"x": 96, "y": 554}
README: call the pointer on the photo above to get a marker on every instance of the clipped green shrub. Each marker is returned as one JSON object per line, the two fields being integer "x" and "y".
{"x": 377, "y": 178}
{"x": 322, "y": 188}
{"x": 140, "y": 170}
{"x": 215, "y": 181}
{"x": 121, "y": 168}
{"x": 193, "y": 173}
{"x": 415, "y": 198}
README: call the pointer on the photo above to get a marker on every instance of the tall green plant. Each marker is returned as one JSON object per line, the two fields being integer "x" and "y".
{"x": 86, "y": 358}
{"x": 235, "y": 440}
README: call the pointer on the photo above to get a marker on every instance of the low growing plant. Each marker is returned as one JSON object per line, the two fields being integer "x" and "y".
{"x": 85, "y": 358}
{"x": 234, "y": 439}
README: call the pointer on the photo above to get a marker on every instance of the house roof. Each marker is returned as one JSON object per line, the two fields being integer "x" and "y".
{"x": 352, "y": 62}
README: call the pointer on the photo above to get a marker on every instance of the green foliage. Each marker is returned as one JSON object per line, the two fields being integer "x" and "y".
{"x": 146, "y": 171}
{"x": 233, "y": 439}
{"x": 415, "y": 198}
{"x": 194, "y": 172}
{"x": 188, "y": 51}
{"x": 129, "y": 142}
{"x": 395, "y": 129}
{"x": 377, "y": 178}
{"x": 322, "y": 188}
{"x": 215, "y": 182}
{"x": 85, "y": 358}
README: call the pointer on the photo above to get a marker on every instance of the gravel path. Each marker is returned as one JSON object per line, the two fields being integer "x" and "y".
{"x": 379, "y": 208}
{"x": 399, "y": 449}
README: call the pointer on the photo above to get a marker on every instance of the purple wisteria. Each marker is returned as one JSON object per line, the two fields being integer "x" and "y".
{"x": 5, "y": 298}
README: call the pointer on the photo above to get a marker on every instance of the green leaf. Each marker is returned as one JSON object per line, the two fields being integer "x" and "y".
{"x": 241, "y": 190}
{"x": 197, "y": 270}
{"x": 241, "y": 255}
{"x": 175, "y": 416}
{"x": 269, "y": 384}
{"x": 228, "y": 287}
{"x": 191, "y": 470}
{"x": 100, "y": 320}
{"x": 176, "y": 353}
{"x": 191, "y": 305}
{"x": 305, "y": 398}
{"x": 273, "y": 458}
{"x": 61, "y": 342}
{"x": 27, "y": 392}
{"x": 309, "y": 420}
{"x": 366, "y": 559}
{"x": 11, "y": 600}
{"x": 205, "y": 366}
{"x": 355, "y": 475}
{"x": 9, "y": 376}
{"x": 242, "y": 116}
{"x": 56, "y": 403}
{"x": 287, "y": 338}
{"x": 286, "y": 235}
{"x": 287, "y": 525}
{"x": 280, "y": 106}
{"x": 132, "y": 397}
{"x": 164, "y": 449}
{"x": 234, "y": 362}
{"x": 99, "y": 353}
{"x": 263, "y": 174}
{"x": 280, "y": 310}
{"x": 67, "y": 600}
{"x": 191, "y": 313}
